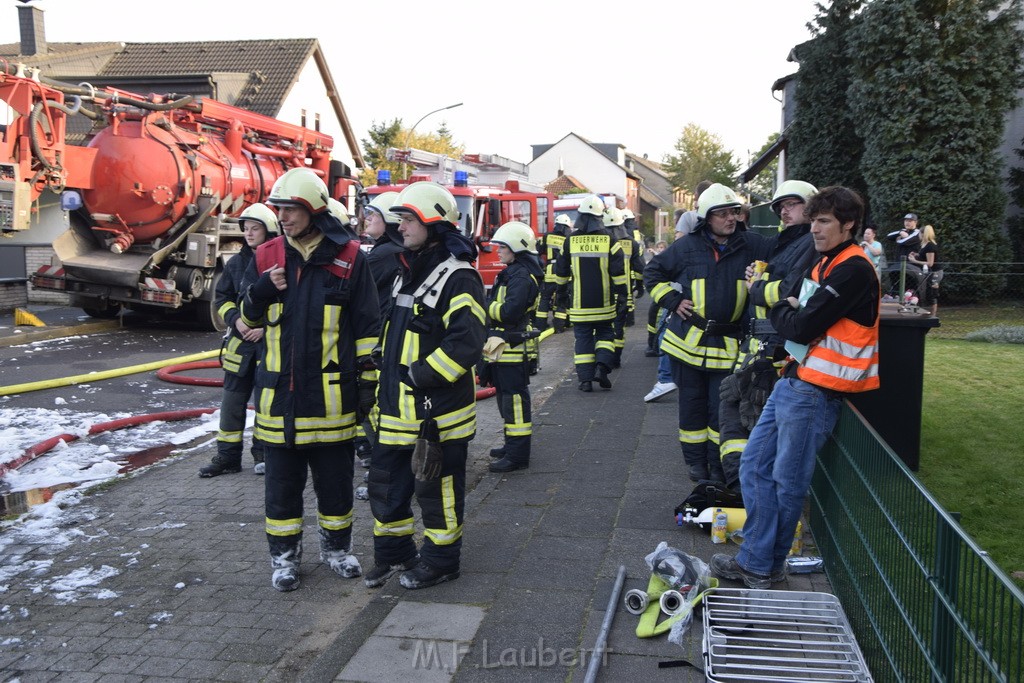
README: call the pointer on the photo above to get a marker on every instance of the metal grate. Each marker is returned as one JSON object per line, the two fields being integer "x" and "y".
{"x": 766, "y": 635}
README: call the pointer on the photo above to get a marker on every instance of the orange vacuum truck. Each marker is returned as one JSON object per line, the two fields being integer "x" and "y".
{"x": 149, "y": 204}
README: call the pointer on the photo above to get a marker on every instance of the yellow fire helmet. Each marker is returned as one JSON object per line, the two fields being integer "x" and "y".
{"x": 516, "y": 236}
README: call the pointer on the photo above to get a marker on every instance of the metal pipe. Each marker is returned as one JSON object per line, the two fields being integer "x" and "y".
{"x": 602, "y": 637}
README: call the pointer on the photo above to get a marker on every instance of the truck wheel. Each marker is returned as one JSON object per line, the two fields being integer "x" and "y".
{"x": 206, "y": 310}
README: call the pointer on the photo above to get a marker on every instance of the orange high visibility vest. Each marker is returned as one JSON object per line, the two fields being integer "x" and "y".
{"x": 846, "y": 358}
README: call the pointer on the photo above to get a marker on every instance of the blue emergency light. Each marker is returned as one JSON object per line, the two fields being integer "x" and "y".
{"x": 383, "y": 177}
{"x": 461, "y": 178}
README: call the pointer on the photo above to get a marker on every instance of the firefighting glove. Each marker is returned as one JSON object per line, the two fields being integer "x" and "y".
{"x": 638, "y": 290}
{"x": 426, "y": 453}
{"x": 483, "y": 373}
{"x": 422, "y": 376}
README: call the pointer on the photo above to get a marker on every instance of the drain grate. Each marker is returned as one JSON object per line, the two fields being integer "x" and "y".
{"x": 770, "y": 635}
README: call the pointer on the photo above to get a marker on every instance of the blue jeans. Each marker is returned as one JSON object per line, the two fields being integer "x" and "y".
{"x": 776, "y": 468}
{"x": 664, "y": 360}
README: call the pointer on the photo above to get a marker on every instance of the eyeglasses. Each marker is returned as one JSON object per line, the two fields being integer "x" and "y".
{"x": 725, "y": 213}
{"x": 791, "y": 204}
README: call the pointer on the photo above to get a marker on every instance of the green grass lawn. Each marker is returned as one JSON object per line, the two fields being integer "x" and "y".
{"x": 972, "y": 441}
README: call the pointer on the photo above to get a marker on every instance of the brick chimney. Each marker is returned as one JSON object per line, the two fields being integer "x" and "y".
{"x": 33, "y": 36}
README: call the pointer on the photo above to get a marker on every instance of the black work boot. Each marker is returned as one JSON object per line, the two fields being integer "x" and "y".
{"x": 498, "y": 453}
{"x": 425, "y": 576}
{"x": 382, "y": 571}
{"x": 601, "y": 375}
{"x": 506, "y": 465}
{"x": 219, "y": 466}
{"x": 587, "y": 386}
{"x": 698, "y": 472}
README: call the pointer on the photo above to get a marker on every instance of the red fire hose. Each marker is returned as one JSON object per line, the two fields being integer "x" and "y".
{"x": 169, "y": 374}
{"x": 43, "y": 447}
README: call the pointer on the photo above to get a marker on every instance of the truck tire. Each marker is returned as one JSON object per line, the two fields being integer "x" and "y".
{"x": 103, "y": 312}
{"x": 206, "y": 309}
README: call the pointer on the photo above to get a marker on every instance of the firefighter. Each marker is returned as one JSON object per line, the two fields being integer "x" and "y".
{"x": 594, "y": 264}
{"x": 789, "y": 256}
{"x": 614, "y": 222}
{"x": 637, "y": 264}
{"x": 313, "y": 292}
{"x": 512, "y": 301}
{"x": 549, "y": 303}
{"x": 241, "y": 348}
{"x": 381, "y": 225}
{"x": 432, "y": 341}
{"x": 700, "y": 280}
{"x": 838, "y": 321}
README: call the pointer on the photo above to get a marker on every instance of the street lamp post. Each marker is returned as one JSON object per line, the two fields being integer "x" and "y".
{"x": 405, "y": 145}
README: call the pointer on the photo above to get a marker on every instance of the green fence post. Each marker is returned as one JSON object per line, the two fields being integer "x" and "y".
{"x": 945, "y": 582}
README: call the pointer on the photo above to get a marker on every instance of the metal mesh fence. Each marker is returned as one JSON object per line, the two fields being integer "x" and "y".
{"x": 972, "y": 297}
{"x": 925, "y": 602}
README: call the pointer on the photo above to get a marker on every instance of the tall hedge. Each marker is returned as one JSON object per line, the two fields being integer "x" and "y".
{"x": 932, "y": 84}
{"x": 825, "y": 148}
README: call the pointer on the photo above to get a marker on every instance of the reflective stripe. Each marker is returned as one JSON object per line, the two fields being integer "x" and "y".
{"x": 225, "y": 307}
{"x": 453, "y": 530}
{"x": 284, "y": 527}
{"x": 693, "y": 436}
{"x": 464, "y": 300}
{"x": 329, "y": 335}
{"x": 410, "y": 348}
{"x": 364, "y": 346}
{"x": 690, "y": 350}
{"x": 449, "y": 419}
{"x": 604, "y": 345}
{"x": 712, "y": 436}
{"x": 771, "y": 293}
{"x": 732, "y": 446}
{"x": 443, "y": 365}
{"x": 659, "y": 291}
{"x": 402, "y": 527}
{"x": 229, "y": 437}
{"x": 272, "y": 340}
{"x": 581, "y": 358}
{"x": 333, "y": 523}
{"x": 331, "y": 386}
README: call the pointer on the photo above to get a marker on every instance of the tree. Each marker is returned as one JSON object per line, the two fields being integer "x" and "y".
{"x": 824, "y": 145}
{"x": 762, "y": 186}
{"x": 931, "y": 115}
{"x": 384, "y": 135}
{"x": 701, "y": 156}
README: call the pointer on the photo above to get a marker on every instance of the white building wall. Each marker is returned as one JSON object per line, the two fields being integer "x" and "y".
{"x": 581, "y": 161}
{"x": 310, "y": 93}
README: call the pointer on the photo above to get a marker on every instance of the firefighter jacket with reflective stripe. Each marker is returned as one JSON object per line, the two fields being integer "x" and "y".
{"x": 553, "y": 242}
{"x": 712, "y": 277}
{"x": 790, "y": 254}
{"x": 384, "y": 264}
{"x": 435, "y": 333}
{"x": 632, "y": 257}
{"x": 596, "y": 267}
{"x": 512, "y": 302}
{"x": 238, "y": 355}
{"x": 839, "y": 322}
{"x": 317, "y": 333}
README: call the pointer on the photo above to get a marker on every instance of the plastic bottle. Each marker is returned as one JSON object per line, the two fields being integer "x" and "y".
{"x": 719, "y": 526}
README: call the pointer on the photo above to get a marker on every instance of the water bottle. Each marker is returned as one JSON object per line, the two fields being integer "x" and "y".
{"x": 718, "y": 528}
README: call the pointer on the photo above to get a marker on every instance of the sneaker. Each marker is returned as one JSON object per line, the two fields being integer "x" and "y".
{"x": 586, "y": 386}
{"x": 341, "y": 563}
{"x": 601, "y": 375}
{"x": 660, "y": 389}
{"x": 219, "y": 467}
{"x": 260, "y": 468}
{"x": 726, "y": 567}
{"x": 425, "y": 576}
{"x": 380, "y": 573}
{"x": 506, "y": 465}
{"x": 779, "y": 575}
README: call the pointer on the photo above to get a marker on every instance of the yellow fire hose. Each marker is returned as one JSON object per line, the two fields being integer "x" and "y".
{"x": 106, "y": 374}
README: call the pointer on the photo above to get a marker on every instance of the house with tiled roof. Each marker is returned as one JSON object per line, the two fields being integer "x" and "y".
{"x": 565, "y": 184}
{"x": 287, "y": 79}
{"x": 600, "y": 167}
{"x": 656, "y": 197}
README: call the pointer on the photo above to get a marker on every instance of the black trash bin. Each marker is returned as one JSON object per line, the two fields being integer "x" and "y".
{"x": 894, "y": 410}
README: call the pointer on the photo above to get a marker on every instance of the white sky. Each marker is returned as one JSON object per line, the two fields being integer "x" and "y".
{"x": 528, "y": 72}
